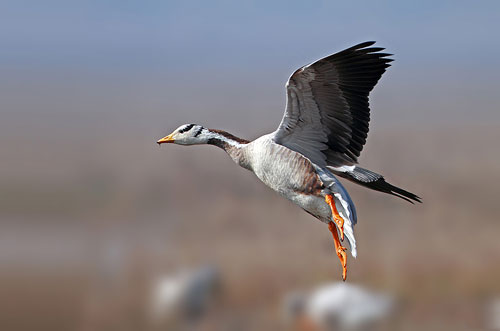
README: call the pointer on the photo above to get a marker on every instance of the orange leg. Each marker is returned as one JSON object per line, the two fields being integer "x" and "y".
{"x": 336, "y": 217}
{"x": 339, "y": 249}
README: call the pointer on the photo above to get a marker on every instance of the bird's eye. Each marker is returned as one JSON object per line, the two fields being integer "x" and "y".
{"x": 186, "y": 128}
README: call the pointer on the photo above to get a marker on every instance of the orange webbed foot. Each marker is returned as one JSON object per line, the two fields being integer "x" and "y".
{"x": 335, "y": 214}
{"x": 339, "y": 249}
{"x": 343, "y": 259}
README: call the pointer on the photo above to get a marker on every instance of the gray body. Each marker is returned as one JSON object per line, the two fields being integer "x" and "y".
{"x": 296, "y": 178}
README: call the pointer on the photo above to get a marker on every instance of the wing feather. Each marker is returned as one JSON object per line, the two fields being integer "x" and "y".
{"x": 327, "y": 114}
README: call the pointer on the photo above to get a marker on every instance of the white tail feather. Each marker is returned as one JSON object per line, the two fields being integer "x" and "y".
{"x": 345, "y": 213}
{"x": 344, "y": 205}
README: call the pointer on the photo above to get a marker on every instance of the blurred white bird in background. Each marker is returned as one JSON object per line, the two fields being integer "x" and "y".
{"x": 493, "y": 314}
{"x": 338, "y": 306}
{"x": 181, "y": 299}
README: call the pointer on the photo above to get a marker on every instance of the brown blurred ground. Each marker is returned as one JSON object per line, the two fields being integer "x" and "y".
{"x": 89, "y": 221}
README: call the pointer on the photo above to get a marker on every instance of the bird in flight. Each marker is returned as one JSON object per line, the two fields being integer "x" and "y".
{"x": 320, "y": 137}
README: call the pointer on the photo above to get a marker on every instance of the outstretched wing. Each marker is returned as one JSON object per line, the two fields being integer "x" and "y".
{"x": 327, "y": 113}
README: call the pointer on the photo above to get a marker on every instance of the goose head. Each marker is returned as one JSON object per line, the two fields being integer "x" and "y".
{"x": 187, "y": 134}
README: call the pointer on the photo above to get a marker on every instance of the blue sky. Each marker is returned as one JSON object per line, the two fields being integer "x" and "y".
{"x": 215, "y": 57}
{"x": 229, "y": 33}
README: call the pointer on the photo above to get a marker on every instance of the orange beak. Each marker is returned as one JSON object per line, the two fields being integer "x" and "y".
{"x": 166, "y": 140}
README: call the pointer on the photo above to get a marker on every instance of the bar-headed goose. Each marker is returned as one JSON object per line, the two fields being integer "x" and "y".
{"x": 321, "y": 135}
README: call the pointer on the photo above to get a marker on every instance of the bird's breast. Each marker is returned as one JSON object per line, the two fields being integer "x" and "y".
{"x": 284, "y": 170}
{"x": 290, "y": 174}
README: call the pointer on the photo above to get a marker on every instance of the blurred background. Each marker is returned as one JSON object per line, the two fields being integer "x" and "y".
{"x": 103, "y": 230}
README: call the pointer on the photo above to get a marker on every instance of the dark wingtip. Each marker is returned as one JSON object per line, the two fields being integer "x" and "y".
{"x": 405, "y": 195}
{"x": 359, "y": 46}
{"x": 368, "y": 43}
{"x": 377, "y": 182}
